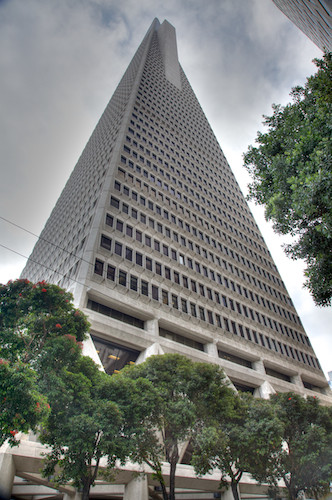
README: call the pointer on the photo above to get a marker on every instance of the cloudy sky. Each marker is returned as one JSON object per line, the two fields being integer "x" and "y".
{"x": 60, "y": 61}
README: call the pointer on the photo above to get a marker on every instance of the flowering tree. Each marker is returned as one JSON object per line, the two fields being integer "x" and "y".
{"x": 45, "y": 379}
{"x": 22, "y": 406}
{"x": 31, "y": 316}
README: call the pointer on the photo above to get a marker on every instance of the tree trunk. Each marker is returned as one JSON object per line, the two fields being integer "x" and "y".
{"x": 86, "y": 490}
{"x": 173, "y": 464}
{"x": 235, "y": 490}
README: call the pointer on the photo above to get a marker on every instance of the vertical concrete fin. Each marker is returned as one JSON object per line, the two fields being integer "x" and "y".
{"x": 169, "y": 51}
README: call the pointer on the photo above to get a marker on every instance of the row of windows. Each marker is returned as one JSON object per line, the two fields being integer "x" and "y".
{"x": 190, "y": 263}
{"x": 148, "y": 203}
{"x": 194, "y": 120}
{"x": 199, "y": 184}
{"x": 160, "y": 269}
{"x": 190, "y": 198}
{"x": 144, "y": 288}
{"x": 197, "y": 218}
{"x": 221, "y": 173}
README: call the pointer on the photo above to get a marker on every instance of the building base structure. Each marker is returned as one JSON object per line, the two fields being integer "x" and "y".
{"x": 20, "y": 478}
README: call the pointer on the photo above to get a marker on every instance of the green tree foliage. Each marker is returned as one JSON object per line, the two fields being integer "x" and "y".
{"x": 22, "y": 406}
{"x": 31, "y": 316}
{"x": 43, "y": 374}
{"x": 292, "y": 176}
{"x": 305, "y": 460}
{"x": 85, "y": 423}
{"x": 245, "y": 441}
{"x": 180, "y": 393}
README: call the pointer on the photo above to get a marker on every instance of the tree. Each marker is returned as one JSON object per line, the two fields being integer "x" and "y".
{"x": 43, "y": 373}
{"x": 246, "y": 441}
{"x": 182, "y": 391}
{"x": 85, "y": 422}
{"x": 31, "y": 315}
{"x": 292, "y": 176}
{"x": 305, "y": 460}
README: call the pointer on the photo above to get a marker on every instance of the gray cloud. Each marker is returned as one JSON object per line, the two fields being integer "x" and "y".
{"x": 60, "y": 62}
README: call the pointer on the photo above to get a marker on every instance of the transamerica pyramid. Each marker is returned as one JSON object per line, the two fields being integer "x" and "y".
{"x": 155, "y": 240}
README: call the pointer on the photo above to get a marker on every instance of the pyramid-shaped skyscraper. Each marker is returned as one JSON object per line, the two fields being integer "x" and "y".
{"x": 155, "y": 240}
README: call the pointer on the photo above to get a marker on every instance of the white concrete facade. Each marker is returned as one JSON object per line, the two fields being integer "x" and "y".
{"x": 161, "y": 251}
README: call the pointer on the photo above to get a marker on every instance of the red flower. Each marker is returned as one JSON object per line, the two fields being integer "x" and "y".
{"x": 13, "y": 433}
{"x": 70, "y": 337}
{"x": 44, "y": 290}
{"x": 58, "y": 325}
{"x": 289, "y": 399}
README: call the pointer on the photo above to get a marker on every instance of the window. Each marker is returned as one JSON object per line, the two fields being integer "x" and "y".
{"x": 184, "y": 306}
{"x": 148, "y": 241}
{"x": 167, "y": 273}
{"x": 164, "y": 295}
{"x": 155, "y": 293}
{"x": 109, "y": 220}
{"x": 175, "y": 301}
{"x": 119, "y": 225}
{"x": 193, "y": 309}
{"x": 99, "y": 267}
{"x": 118, "y": 248}
{"x": 122, "y": 278}
{"x": 129, "y": 254}
{"x": 111, "y": 273}
{"x": 115, "y": 202}
{"x": 133, "y": 283}
{"x": 105, "y": 242}
{"x": 139, "y": 259}
{"x": 129, "y": 231}
{"x": 138, "y": 235}
{"x": 148, "y": 263}
{"x": 144, "y": 288}
{"x": 202, "y": 313}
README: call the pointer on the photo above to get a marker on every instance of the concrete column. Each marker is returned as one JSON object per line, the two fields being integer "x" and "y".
{"x": 211, "y": 349}
{"x": 75, "y": 496}
{"x": 259, "y": 366}
{"x": 7, "y": 474}
{"x": 228, "y": 495}
{"x": 152, "y": 326}
{"x": 266, "y": 390}
{"x": 296, "y": 379}
{"x": 137, "y": 489}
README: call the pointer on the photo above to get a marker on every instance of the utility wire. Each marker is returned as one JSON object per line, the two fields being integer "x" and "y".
{"x": 39, "y": 264}
{"x": 43, "y": 239}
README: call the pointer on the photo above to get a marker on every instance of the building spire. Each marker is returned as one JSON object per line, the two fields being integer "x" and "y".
{"x": 168, "y": 48}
